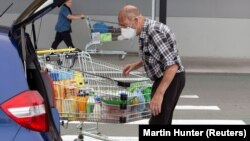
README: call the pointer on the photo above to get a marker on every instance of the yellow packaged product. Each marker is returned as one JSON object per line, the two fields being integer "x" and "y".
{"x": 69, "y": 108}
{"x": 58, "y": 103}
{"x": 82, "y": 106}
{"x": 78, "y": 77}
{"x": 56, "y": 89}
{"x": 61, "y": 88}
{"x": 71, "y": 89}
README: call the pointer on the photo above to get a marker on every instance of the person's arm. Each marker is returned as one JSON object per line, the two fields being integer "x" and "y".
{"x": 167, "y": 55}
{"x": 75, "y": 16}
{"x": 67, "y": 14}
{"x": 130, "y": 67}
{"x": 156, "y": 101}
{"x": 137, "y": 65}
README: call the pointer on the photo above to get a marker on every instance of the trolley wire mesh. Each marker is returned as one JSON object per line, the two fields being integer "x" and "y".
{"x": 92, "y": 90}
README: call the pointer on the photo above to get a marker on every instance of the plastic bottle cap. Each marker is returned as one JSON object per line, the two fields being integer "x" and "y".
{"x": 97, "y": 99}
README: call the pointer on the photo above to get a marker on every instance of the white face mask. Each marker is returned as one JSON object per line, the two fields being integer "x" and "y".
{"x": 128, "y": 33}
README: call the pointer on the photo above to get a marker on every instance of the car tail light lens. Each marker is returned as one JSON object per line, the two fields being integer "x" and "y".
{"x": 28, "y": 110}
{"x": 53, "y": 90}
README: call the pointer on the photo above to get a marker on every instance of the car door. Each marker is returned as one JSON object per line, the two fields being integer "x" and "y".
{"x": 36, "y": 78}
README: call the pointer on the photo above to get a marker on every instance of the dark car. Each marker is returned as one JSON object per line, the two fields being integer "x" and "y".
{"x": 27, "y": 109}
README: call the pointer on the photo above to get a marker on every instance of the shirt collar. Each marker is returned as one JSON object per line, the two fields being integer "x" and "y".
{"x": 145, "y": 28}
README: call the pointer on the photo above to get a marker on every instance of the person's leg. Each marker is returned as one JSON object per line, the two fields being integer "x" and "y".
{"x": 180, "y": 83}
{"x": 170, "y": 100}
{"x": 57, "y": 40}
{"x": 67, "y": 39}
{"x": 155, "y": 119}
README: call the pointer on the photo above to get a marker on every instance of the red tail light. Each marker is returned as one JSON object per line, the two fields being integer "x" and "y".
{"x": 28, "y": 110}
{"x": 53, "y": 90}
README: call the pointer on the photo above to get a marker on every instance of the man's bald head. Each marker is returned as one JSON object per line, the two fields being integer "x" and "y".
{"x": 128, "y": 12}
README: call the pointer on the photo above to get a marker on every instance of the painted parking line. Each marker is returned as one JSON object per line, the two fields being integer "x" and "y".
{"x": 210, "y": 122}
{"x": 189, "y": 96}
{"x": 194, "y": 107}
{"x": 86, "y": 138}
{"x": 175, "y": 122}
{"x": 197, "y": 122}
{"x": 183, "y": 121}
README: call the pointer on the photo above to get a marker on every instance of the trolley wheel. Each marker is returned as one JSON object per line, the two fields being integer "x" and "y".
{"x": 80, "y": 138}
{"x": 122, "y": 57}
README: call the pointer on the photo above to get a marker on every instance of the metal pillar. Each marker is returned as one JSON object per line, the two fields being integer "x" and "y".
{"x": 153, "y": 10}
{"x": 163, "y": 11}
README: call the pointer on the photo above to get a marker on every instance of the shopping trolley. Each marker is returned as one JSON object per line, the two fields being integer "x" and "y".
{"x": 101, "y": 32}
{"x": 91, "y": 90}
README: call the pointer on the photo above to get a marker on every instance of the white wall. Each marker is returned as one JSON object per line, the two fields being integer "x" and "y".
{"x": 212, "y": 37}
{"x": 196, "y": 37}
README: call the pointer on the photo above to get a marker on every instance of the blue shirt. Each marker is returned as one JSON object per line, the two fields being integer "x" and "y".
{"x": 63, "y": 23}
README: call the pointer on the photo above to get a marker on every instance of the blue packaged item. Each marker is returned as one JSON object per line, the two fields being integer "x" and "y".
{"x": 141, "y": 100}
{"x": 69, "y": 74}
{"x": 54, "y": 75}
{"x": 100, "y": 27}
{"x": 57, "y": 76}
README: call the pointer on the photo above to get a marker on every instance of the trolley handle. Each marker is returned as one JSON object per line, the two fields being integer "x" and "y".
{"x": 72, "y": 56}
{"x": 119, "y": 83}
{"x": 94, "y": 20}
{"x": 103, "y": 21}
{"x": 49, "y": 51}
{"x": 90, "y": 22}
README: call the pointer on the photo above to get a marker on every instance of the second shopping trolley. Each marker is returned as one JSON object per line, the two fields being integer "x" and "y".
{"x": 102, "y": 32}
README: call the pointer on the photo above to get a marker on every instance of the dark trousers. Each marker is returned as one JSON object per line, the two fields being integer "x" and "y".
{"x": 62, "y": 36}
{"x": 170, "y": 99}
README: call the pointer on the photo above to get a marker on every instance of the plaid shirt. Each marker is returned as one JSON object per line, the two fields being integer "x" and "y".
{"x": 158, "y": 49}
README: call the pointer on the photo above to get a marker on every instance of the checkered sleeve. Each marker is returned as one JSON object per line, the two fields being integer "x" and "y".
{"x": 165, "y": 46}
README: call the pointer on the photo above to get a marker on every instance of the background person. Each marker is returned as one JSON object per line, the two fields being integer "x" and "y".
{"x": 63, "y": 25}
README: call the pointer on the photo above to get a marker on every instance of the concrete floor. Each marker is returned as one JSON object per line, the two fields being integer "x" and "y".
{"x": 191, "y": 64}
{"x": 228, "y": 92}
{"x": 221, "y": 84}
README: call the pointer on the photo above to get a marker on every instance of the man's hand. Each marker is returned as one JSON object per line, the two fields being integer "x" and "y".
{"x": 130, "y": 67}
{"x": 155, "y": 104}
{"x": 127, "y": 69}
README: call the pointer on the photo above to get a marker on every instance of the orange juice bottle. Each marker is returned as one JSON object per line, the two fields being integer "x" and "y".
{"x": 62, "y": 89}
{"x": 74, "y": 88}
{"x": 59, "y": 104}
{"x": 82, "y": 105}
{"x": 56, "y": 89}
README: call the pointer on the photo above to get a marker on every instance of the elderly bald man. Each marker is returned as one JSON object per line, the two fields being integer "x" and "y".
{"x": 160, "y": 58}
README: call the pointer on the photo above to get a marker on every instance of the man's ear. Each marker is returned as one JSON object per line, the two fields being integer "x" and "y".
{"x": 136, "y": 20}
